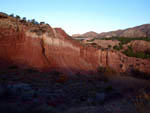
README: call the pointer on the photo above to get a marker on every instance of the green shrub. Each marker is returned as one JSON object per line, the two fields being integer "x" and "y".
{"x": 140, "y": 55}
{"x": 124, "y": 40}
{"x": 11, "y": 15}
{"x": 120, "y": 47}
{"x": 18, "y": 17}
{"x": 42, "y": 23}
{"x": 129, "y": 52}
{"x": 34, "y": 21}
{"x": 105, "y": 70}
{"x": 101, "y": 69}
{"x": 116, "y": 47}
{"x": 109, "y": 46}
{"x": 23, "y": 20}
{"x": 121, "y": 65}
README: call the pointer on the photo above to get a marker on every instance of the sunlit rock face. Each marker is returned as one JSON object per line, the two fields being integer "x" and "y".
{"x": 46, "y": 49}
{"x": 140, "y": 46}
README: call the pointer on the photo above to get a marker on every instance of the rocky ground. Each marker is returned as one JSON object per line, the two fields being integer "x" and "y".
{"x": 31, "y": 91}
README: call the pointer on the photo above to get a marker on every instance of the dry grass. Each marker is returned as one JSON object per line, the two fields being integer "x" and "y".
{"x": 142, "y": 102}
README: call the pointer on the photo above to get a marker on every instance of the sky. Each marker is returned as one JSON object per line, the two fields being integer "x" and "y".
{"x": 80, "y": 16}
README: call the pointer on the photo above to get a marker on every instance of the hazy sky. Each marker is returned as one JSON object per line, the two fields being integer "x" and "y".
{"x": 79, "y": 16}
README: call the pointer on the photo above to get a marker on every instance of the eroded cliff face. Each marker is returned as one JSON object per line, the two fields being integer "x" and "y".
{"x": 45, "y": 48}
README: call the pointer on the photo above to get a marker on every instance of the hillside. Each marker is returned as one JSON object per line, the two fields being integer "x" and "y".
{"x": 135, "y": 32}
{"x": 90, "y": 34}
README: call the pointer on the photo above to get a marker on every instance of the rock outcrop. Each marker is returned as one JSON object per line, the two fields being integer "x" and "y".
{"x": 140, "y": 46}
{"x": 103, "y": 43}
{"x": 39, "y": 46}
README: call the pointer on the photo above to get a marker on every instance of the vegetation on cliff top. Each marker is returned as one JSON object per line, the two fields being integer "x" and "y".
{"x": 129, "y": 52}
{"x": 123, "y": 40}
{"x": 23, "y": 19}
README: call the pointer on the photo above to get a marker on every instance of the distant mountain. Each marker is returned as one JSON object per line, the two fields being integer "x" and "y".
{"x": 76, "y": 35}
{"x": 135, "y": 32}
{"x": 90, "y": 34}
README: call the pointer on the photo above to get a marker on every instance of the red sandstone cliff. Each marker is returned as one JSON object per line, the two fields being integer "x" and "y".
{"x": 42, "y": 47}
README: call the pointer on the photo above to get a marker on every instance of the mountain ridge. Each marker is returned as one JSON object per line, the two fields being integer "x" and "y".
{"x": 133, "y": 32}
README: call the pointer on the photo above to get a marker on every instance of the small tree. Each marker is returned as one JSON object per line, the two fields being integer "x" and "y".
{"x": 34, "y": 21}
{"x": 18, "y": 17}
{"x": 109, "y": 46}
{"x": 12, "y": 15}
{"x": 24, "y": 18}
{"x": 42, "y": 23}
{"x": 116, "y": 47}
{"x": 129, "y": 52}
{"x": 120, "y": 46}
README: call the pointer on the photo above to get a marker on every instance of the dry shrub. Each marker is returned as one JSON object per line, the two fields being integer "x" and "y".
{"x": 142, "y": 102}
{"x": 106, "y": 71}
{"x": 62, "y": 79}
